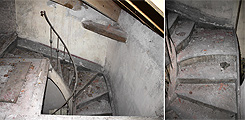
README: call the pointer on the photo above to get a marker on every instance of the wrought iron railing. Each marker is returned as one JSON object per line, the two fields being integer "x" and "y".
{"x": 59, "y": 52}
{"x": 173, "y": 69}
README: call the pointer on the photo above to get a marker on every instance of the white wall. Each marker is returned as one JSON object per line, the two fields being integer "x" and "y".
{"x": 67, "y": 22}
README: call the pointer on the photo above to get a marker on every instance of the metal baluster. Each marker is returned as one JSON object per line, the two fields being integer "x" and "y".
{"x": 57, "y": 51}
{"x": 51, "y": 41}
{"x": 43, "y": 14}
{"x": 64, "y": 57}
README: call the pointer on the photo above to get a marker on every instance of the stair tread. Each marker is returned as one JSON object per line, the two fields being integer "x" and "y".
{"x": 189, "y": 110}
{"x": 96, "y": 107}
{"x": 97, "y": 87}
{"x": 181, "y": 33}
{"x": 23, "y": 53}
{"x": 91, "y": 99}
{"x": 208, "y": 72}
{"x": 209, "y": 42}
{"x": 221, "y": 95}
{"x": 171, "y": 19}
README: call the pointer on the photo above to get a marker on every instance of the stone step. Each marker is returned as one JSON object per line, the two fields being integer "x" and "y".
{"x": 188, "y": 110}
{"x": 181, "y": 33}
{"x": 22, "y": 53}
{"x": 96, "y": 88}
{"x": 217, "y": 96}
{"x": 103, "y": 95}
{"x": 205, "y": 42}
{"x": 172, "y": 17}
{"x": 92, "y": 87}
{"x": 209, "y": 72}
{"x": 95, "y": 108}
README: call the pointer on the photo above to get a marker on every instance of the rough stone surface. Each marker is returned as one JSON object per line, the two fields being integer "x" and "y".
{"x": 97, "y": 87}
{"x": 209, "y": 42}
{"x": 96, "y": 108}
{"x": 221, "y": 96}
{"x": 135, "y": 70}
{"x": 208, "y": 72}
{"x": 31, "y": 96}
{"x": 188, "y": 110}
{"x": 16, "y": 79}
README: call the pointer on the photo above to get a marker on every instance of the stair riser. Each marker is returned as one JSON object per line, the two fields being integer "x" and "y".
{"x": 183, "y": 44}
{"x": 208, "y": 58}
{"x": 205, "y": 81}
{"x": 104, "y": 97}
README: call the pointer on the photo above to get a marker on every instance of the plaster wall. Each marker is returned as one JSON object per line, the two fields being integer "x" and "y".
{"x": 135, "y": 70}
{"x": 7, "y": 17}
{"x": 67, "y": 22}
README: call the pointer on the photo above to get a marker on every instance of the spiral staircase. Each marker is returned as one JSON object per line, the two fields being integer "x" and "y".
{"x": 85, "y": 92}
{"x": 203, "y": 70}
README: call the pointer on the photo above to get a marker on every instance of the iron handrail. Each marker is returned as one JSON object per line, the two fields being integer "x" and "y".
{"x": 43, "y": 14}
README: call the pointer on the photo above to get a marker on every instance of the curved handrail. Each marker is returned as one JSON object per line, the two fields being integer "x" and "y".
{"x": 43, "y": 13}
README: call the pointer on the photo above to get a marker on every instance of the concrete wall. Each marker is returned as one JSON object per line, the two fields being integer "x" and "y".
{"x": 218, "y": 12}
{"x": 135, "y": 69}
{"x": 7, "y": 17}
{"x": 67, "y": 22}
{"x": 241, "y": 29}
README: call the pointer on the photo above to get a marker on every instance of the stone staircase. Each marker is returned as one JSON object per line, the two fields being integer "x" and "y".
{"x": 93, "y": 98}
{"x": 207, "y": 71}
